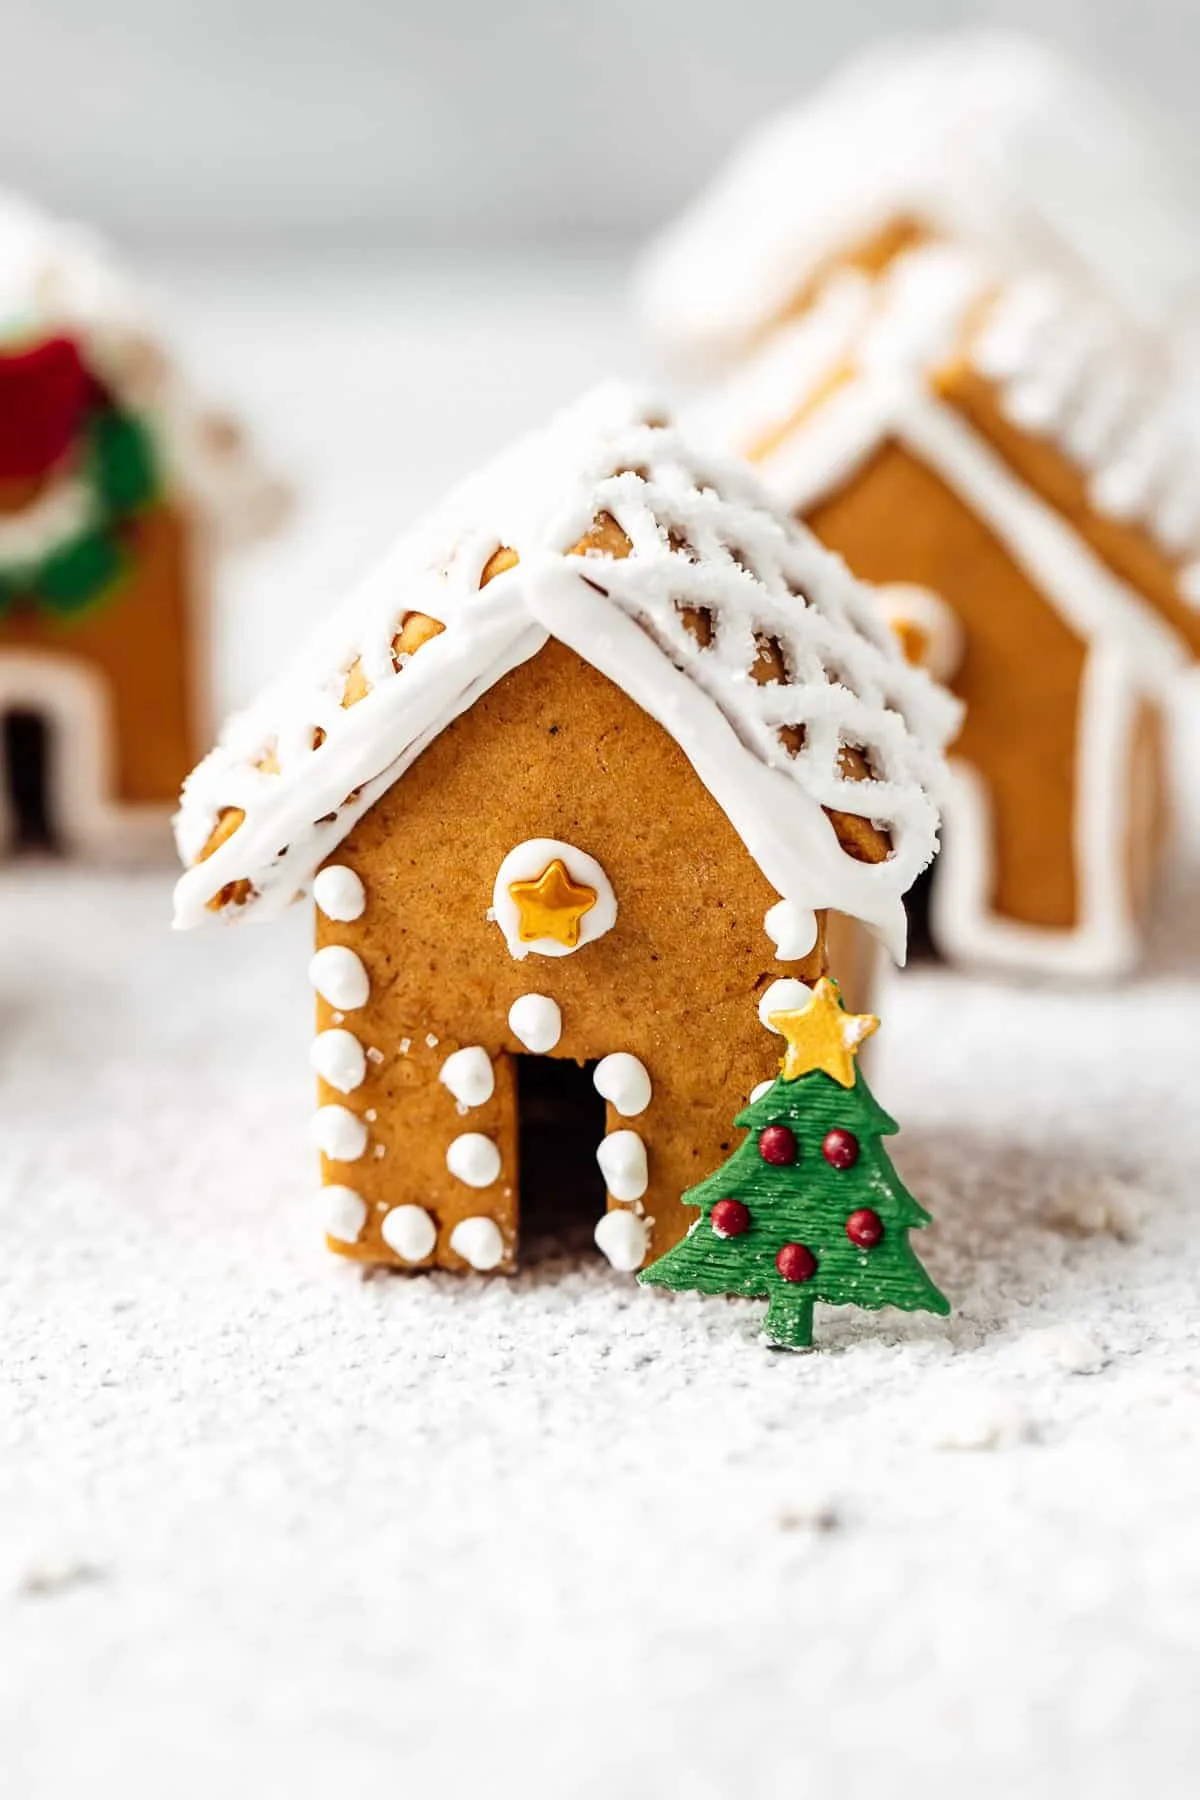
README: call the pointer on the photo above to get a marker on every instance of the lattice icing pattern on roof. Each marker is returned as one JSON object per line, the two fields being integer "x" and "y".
{"x": 60, "y": 278}
{"x": 716, "y": 583}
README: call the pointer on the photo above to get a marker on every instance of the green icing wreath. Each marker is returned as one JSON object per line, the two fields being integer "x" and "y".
{"x": 119, "y": 466}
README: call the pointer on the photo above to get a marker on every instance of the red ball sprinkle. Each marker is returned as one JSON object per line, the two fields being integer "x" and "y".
{"x": 776, "y": 1144}
{"x": 864, "y": 1228}
{"x": 729, "y": 1218}
{"x": 840, "y": 1148}
{"x": 796, "y": 1262}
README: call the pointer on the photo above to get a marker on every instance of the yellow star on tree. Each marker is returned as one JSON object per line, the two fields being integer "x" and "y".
{"x": 552, "y": 906}
{"x": 821, "y": 1034}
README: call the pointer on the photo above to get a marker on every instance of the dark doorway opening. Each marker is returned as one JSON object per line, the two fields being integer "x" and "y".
{"x": 561, "y": 1121}
{"x": 26, "y": 769}
{"x": 918, "y": 904}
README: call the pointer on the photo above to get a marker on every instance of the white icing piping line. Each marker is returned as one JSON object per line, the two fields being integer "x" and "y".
{"x": 784, "y": 830}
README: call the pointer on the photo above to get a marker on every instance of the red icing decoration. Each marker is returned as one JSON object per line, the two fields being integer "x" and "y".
{"x": 44, "y": 393}
{"x": 729, "y": 1218}
{"x": 840, "y": 1148}
{"x": 796, "y": 1262}
{"x": 864, "y": 1228}
{"x": 776, "y": 1144}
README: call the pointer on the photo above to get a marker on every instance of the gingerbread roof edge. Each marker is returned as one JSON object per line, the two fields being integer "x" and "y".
{"x": 515, "y": 558}
{"x": 983, "y": 134}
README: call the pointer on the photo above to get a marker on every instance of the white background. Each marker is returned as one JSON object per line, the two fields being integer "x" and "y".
{"x": 455, "y": 120}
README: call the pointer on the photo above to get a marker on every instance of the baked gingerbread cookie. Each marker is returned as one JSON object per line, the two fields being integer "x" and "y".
{"x": 576, "y": 780}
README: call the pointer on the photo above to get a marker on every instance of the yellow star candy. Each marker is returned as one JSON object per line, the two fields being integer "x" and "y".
{"x": 552, "y": 906}
{"x": 822, "y": 1035}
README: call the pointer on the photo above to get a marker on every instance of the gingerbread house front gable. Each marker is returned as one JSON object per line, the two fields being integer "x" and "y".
{"x": 115, "y": 483}
{"x": 985, "y": 138}
{"x": 1009, "y": 449}
{"x": 577, "y": 774}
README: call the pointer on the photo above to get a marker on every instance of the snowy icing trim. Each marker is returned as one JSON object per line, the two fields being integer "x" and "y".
{"x": 623, "y": 1238}
{"x": 989, "y": 138}
{"x": 339, "y": 977}
{"x": 410, "y": 1232}
{"x": 623, "y": 1081}
{"x": 525, "y": 863}
{"x": 339, "y": 1059}
{"x": 535, "y": 1020}
{"x": 338, "y": 1133}
{"x": 792, "y": 930}
{"x": 705, "y": 541}
{"x": 479, "y": 1242}
{"x": 474, "y": 1159}
{"x": 622, "y": 1159}
{"x": 345, "y": 1214}
{"x": 339, "y": 894}
{"x": 469, "y": 1075}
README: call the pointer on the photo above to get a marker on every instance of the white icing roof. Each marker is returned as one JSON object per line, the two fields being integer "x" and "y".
{"x": 59, "y": 277}
{"x": 705, "y": 535}
{"x": 1064, "y": 366}
{"x": 984, "y": 136}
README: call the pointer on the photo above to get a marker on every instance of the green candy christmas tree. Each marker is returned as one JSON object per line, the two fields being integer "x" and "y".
{"x": 809, "y": 1206}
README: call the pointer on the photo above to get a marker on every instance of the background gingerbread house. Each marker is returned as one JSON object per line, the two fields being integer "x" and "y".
{"x": 116, "y": 484}
{"x": 986, "y": 138}
{"x": 575, "y": 779}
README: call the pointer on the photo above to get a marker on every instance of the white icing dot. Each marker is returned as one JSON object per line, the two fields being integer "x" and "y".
{"x": 410, "y": 1232}
{"x": 536, "y": 1021}
{"x": 478, "y": 1242}
{"x": 339, "y": 977}
{"x": 340, "y": 894}
{"x": 337, "y": 1057}
{"x": 623, "y": 1081}
{"x": 756, "y": 1093}
{"x": 622, "y": 1159}
{"x": 792, "y": 929}
{"x": 474, "y": 1159}
{"x": 345, "y": 1214}
{"x": 469, "y": 1075}
{"x": 786, "y": 995}
{"x": 338, "y": 1133}
{"x": 622, "y": 1236}
{"x": 529, "y": 861}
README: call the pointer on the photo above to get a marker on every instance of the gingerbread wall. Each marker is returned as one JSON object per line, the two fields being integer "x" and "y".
{"x": 141, "y": 639}
{"x": 553, "y": 750}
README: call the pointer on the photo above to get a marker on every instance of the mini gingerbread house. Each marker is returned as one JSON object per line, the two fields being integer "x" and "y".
{"x": 115, "y": 483}
{"x": 983, "y": 138}
{"x": 1005, "y": 460}
{"x": 574, "y": 780}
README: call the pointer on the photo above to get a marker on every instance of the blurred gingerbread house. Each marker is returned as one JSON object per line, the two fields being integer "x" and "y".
{"x": 574, "y": 779}
{"x": 116, "y": 485}
{"x": 994, "y": 439}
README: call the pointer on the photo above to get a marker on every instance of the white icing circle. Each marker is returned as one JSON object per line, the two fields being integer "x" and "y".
{"x": 756, "y": 1093}
{"x": 473, "y": 1158}
{"x": 345, "y": 1214}
{"x": 624, "y": 1083}
{"x": 410, "y": 1232}
{"x": 340, "y": 894}
{"x": 339, "y": 977}
{"x": 792, "y": 929}
{"x": 525, "y": 862}
{"x": 904, "y": 603}
{"x": 623, "y": 1237}
{"x": 536, "y": 1021}
{"x": 478, "y": 1242}
{"x": 785, "y": 995}
{"x": 622, "y": 1159}
{"x": 338, "y": 1133}
{"x": 469, "y": 1075}
{"x": 339, "y": 1059}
